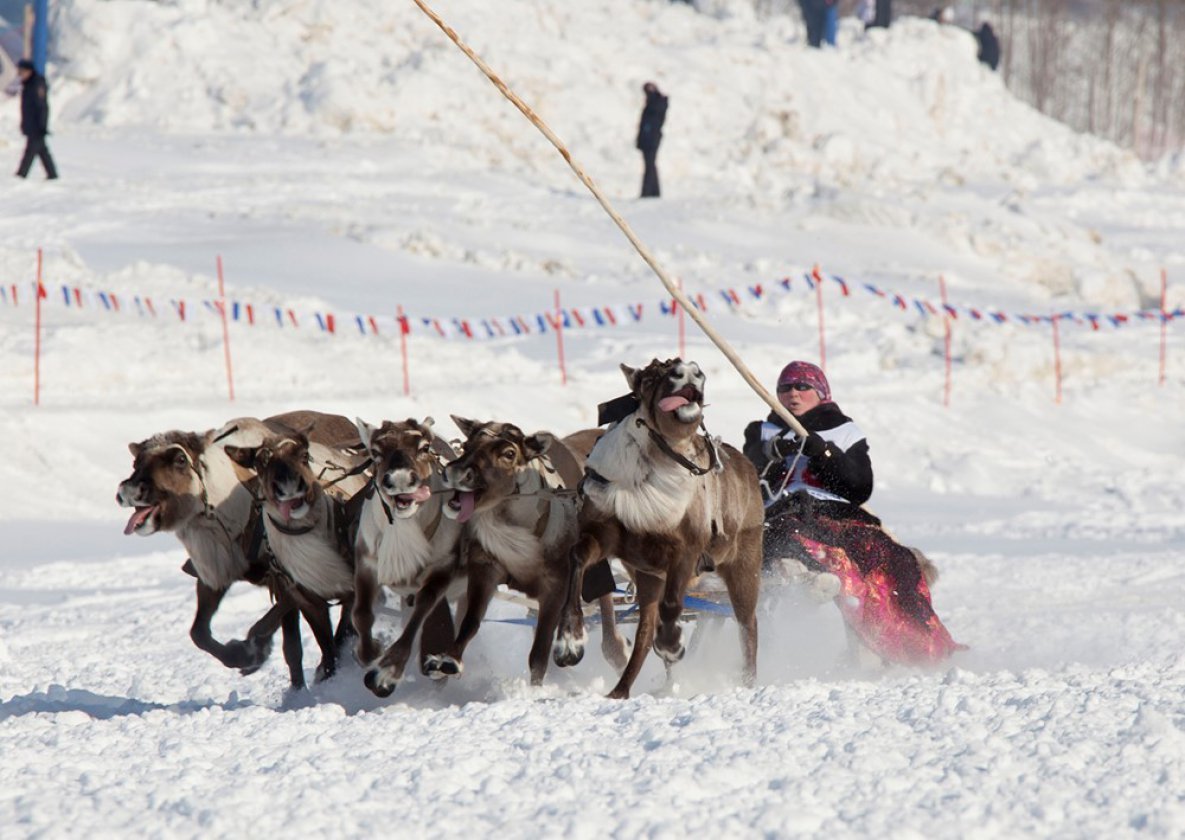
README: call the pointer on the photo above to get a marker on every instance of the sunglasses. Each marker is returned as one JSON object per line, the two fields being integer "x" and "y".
{"x": 793, "y": 386}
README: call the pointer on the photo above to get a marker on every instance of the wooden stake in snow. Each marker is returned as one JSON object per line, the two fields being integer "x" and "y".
{"x": 39, "y": 294}
{"x": 230, "y": 380}
{"x": 558, "y": 325}
{"x": 818, "y": 275}
{"x": 642, "y": 250}
{"x": 1057, "y": 361}
{"x": 1164, "y": 324}
{"x": 404, "y": 329}
{"x": 946, "y": 340}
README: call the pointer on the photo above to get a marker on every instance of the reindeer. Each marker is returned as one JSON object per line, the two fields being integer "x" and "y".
{"x": 520, "y": 522}
{"x": 405, "y": 542}
{"x": 184, "y": 483}
{"x": 310, "y": 494}
{"x": 671, "y": 503}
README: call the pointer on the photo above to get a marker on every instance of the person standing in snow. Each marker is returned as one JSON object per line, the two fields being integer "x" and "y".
{"x": 34, "y": 119}
{"x": 831, "y": 21}
{"x": 883, "y": 14}
{"x": 989, "y": 45}
{"x": 654, "y": 114}
{"x": 814, "y": 15}
{"x": 815, "y": 487}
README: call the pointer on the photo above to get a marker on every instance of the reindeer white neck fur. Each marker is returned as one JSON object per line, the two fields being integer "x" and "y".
{"x": 212, "y": 536}
{"x": 401, "y": 546}
{"x": 507, "y": 531}
{"x": 646, "y": 491}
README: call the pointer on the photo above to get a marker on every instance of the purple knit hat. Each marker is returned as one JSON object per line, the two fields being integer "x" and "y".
{"x": 808, "y": 373}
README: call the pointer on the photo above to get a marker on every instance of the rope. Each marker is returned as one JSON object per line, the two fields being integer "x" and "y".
{"x": 642, "y": 250}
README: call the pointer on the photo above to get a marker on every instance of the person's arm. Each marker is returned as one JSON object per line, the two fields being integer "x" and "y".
{"x": 41, "y": 108}
{"x": 754, "y": 447}
{"x": 847, "y": 474}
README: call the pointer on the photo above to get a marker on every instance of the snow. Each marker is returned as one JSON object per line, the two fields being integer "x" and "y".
{"x": 343, "y": 158}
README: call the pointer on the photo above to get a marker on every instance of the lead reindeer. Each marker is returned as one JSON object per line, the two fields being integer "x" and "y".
{"x": 404, "y": 542}
{"x": 520, "y": 521}
{"x": 311, "y": 496}
{"x": 184, "y": 483}
{"x": 670, "y": 503}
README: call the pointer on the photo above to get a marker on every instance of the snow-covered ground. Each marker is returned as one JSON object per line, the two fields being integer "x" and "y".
{"x": 342, "y": 159}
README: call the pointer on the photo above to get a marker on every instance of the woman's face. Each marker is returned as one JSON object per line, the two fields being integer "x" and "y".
{"x": 798, "y": 397}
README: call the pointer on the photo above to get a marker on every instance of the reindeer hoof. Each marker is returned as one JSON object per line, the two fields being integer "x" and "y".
{"x": 567, "y": 651}
{"x": 325, "y": 671}
{"x": 440, "y": 666}
{"x": 382, "y": 689}
{"x": 670, "y": 655}
{"x": 248, "y": 655}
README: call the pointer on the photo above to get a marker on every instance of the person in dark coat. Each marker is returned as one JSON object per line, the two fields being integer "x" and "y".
{"x": 650, "y": 135}
{"x": 815, "y": 487}
{"x": 814, "y": 15}
{"x": 883, "y": 16}
{"x": 34, "y": 119}
{"x": 989, "y": 45}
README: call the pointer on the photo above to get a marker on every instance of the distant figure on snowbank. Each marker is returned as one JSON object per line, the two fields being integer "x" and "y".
{"x": 989, "y": 45}
{"x": 943, "y": 14}
{"x": 650, "y": 135}
{"x": 34, "y": 119}
{"x": 882, "y": 14}
{"x": 814, "y": 16}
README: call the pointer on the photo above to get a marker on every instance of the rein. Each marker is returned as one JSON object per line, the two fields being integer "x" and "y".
{"x": 687, "y": 464}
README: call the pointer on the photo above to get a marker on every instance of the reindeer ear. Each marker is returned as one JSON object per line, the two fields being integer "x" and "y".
{"x": 537, "y": 444}
{"x": 465, "y": 425}
{"x": 135, "y": 449}
{"x": 365, "y": 431}
{"x": 244, "y": 456}
{"x": 428, "y": 423}
{"x": 631, "y": 374}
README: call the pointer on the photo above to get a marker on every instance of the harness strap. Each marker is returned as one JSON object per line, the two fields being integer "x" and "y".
{"x": 690, "y": 466}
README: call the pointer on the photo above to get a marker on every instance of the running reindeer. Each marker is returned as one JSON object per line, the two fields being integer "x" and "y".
{"x": 517, "y": 502}
{"x": 670, "y": 503}
{"x": 405, "y": 542}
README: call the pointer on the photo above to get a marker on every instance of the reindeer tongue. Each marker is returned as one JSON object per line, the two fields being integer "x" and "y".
{"x": 422, "y": 493}
{"x": 672, "y": 402}
{"x": 137, "y": 518}
{"x": 466, "y": 499}
{"x": 286, "y": 507}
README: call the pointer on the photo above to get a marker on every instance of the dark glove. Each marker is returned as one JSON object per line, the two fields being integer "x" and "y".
{"x": 781, "y": 448}
{"x": 815, "y": 446}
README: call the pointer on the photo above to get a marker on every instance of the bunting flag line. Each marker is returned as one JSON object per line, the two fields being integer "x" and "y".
{"x": 457, "y": 327}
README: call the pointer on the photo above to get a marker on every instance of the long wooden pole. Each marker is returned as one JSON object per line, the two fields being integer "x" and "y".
{"x": 642, "y": 250}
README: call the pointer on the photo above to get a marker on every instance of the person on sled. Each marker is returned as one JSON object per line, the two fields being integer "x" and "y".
{"x": 813, "y": 490}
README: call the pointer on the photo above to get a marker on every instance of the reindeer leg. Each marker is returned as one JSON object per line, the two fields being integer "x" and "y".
{"x": 668, "y": 641}
{"x": 366, "y": 590}
{"x": 258, "y": 644}
{"x": 614, "y": 646}
{"x": 293, "y": 648}
{"x": 208, "y": 600}
{"x": 345, "y": 627}
{"x": 649, "y": 589}
{"x": 570, "y": 636}
{"x": 438, "y": 632}
{"x": 742, "y": 578}
{"x": 316, "y": 612}
{"x": 483, "y": 582}
{"x": 551, "y": 605}
{"x": 388, "y": 671}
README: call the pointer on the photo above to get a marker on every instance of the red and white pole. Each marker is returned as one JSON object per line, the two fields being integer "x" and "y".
{"x": 39, "y": 294}
{"x": 559, "y": 337}
{"x": 404, "y": 329}
{"x": 230, "y": 380}
{"x": 1057, "y": 361}
{"x": 682, "y": 325}
{"x": 818, "y": 275}
{"x": 1164, "y": 324}
{"x": 946, "y": 340}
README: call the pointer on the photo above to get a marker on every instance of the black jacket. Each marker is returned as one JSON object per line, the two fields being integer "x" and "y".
{"x": 653, "y": 116}
{"x": 844, "y": 473}
{"x": 35, "y": 107}
{"x": 989, "y": 46}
